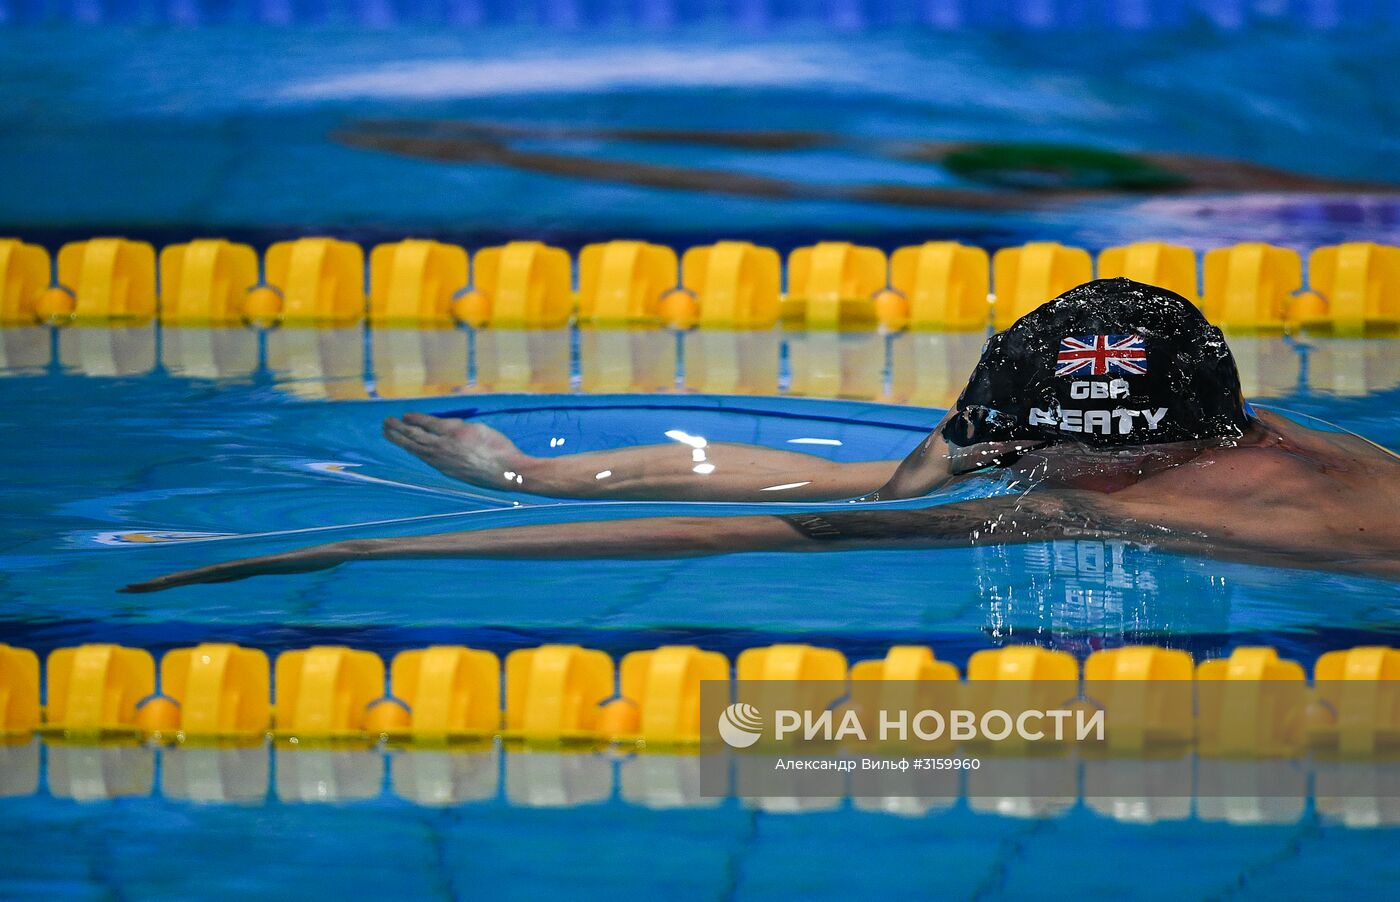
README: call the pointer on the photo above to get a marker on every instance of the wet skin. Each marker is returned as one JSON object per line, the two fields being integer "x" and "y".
{"x": 1281, "y": 495}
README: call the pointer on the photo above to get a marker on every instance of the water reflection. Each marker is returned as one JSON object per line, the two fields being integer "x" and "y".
{"x": 782, "y": 792}
{"x": 732, "y": 363}
{"x": 837, "y": 365}
{"x": 328, "y": 775}
{"x": 1140, "y": 791}
{"x": 319, "y": 363}
{"x": 1259, "y": 792}
{"x": 19, "y": 767}
{"x": 1040, "y": 787}
{"x": 24, "y": 349}
{"x": 447, "y": 776}
{"x": 1074, "y": 593}
{"x": 216, "y": 774}
{"x": 1354, "y": 793}
{"x": 931, "y": 368}
{"x": 550, "y": 779}
{"x": 919, "y": 791}
{"x": 209, "y": 353}
{"x": 91, "y": 772}
{"x": 1352, "y": 366}
{"x": 922, "y": 368}
{"x": 904, "y": 806}
{"x": 1269, "y": 366}
{"x": 627, "y": 360}
{"x": 411, "y": 363}
{"x": 664, "y": 781}
{"x": 1358, "y": 793}
{"x": 104, "y": 351}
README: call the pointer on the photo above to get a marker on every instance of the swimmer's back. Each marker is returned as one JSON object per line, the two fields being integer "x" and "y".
{"x": 1284, "y": 487}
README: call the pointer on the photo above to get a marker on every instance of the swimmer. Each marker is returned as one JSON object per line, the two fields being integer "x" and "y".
{"x": 1113, "y": 411}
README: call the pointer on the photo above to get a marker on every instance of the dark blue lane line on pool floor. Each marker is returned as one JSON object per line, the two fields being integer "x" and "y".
{"x": 42, "y": 636}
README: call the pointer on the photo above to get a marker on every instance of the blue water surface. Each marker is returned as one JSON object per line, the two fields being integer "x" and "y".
{"x": 174, "y": 133}
{"x": 264, "y": 471}
{"x": 390, "y": 848}
{"x": 169, "y": 133}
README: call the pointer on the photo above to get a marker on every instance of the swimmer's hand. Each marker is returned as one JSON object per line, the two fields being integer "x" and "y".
{"x": 305, "y": 560}
{"x": 988, "y": 455}
{"x": 472, "y": 452}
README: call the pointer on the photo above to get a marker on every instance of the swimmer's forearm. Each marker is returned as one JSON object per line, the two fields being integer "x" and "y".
{"x": 593, "y": 539}
{"x": 637, "y": 538}
{"x": 716, "y": 472}
{"x": 992, "y": 521}
{"x": 989, "y": 521}
{"x": 924, "y": 470}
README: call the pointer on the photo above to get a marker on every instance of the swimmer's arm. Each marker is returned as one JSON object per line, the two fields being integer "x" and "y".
{"x": 720, "y": 471}
{"x": 622, "y": 539}
{"x": 924, "y": 470}
{"x": 689, "y": 468}
{"x": 995, "y": 520}
{"x": 935, "y": 463}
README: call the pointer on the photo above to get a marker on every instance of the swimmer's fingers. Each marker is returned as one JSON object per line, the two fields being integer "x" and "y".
{"x": 405, "y": 436}
{"x": 396, "y": 426}
{"x": 429, "y": 423}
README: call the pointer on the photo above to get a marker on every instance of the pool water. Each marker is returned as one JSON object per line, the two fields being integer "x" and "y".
{"x": 242, "y": 130}
{"x": 391, "y": 848}
{"x": 224, "y": 468}
{"x": 262, "y": 470}
{"x": 217, "y": 450}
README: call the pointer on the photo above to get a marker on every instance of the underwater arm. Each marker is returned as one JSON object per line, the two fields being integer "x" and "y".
{"x": 994, "y": 520}
{"x": 990, "y": 521}
{"x": 632, "y": 538}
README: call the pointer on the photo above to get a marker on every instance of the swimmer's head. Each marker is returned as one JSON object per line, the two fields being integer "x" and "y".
{"x": 1112, "y": 362}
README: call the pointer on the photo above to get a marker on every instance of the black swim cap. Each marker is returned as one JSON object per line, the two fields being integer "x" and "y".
{"x": 1112, "y": 362}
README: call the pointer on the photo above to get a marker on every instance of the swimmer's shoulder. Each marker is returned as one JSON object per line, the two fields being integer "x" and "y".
{"x": 1341, "y": 448}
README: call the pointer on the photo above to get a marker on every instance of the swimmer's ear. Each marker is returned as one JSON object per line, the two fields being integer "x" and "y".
{"x": 988, "y": 455}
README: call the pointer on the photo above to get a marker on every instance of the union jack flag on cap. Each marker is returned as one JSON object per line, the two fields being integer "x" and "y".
{"x": 1100, "y": 355}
